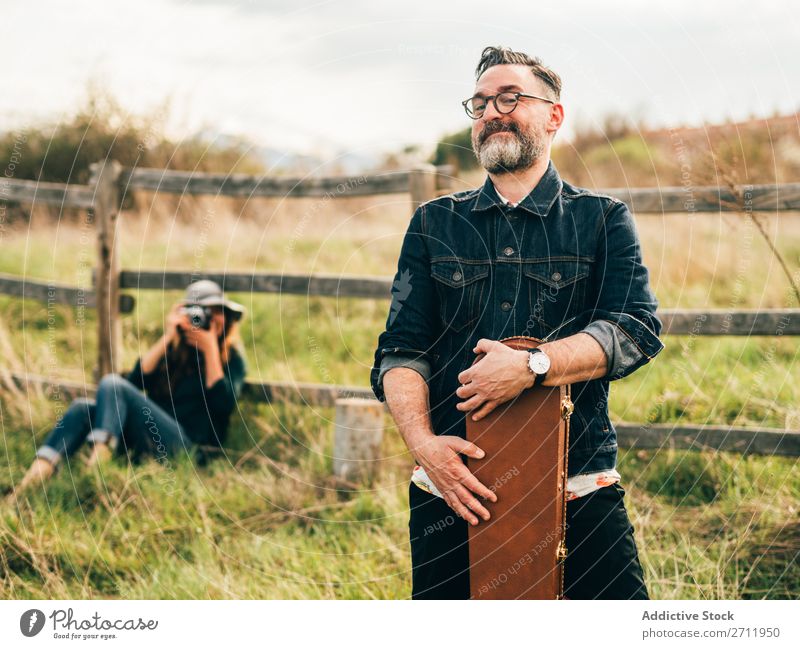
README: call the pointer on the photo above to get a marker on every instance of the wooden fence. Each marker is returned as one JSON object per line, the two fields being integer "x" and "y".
{"x": 109, "y": 182}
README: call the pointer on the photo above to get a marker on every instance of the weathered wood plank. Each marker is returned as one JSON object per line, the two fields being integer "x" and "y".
{"x": 51, "y": 387}
{"x": 242, "y": 185}
{"x": 56, "y": 292}
{"x": 647, "y": 200}
{"x": 322, "y": 395}
{"x": 771, "y": 198}
{"x": 757, "y": 441}
{"x": 702, "y": 322}
{"x": 32, "y": 191}
{"x": 658, "y": 200}
{"x": 726, "y": 322}
{"x": 325, "y": 285}
{"x": 313, "y": 394}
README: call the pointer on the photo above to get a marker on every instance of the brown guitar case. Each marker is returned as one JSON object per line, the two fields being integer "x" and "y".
{"x": 519, "y": 553}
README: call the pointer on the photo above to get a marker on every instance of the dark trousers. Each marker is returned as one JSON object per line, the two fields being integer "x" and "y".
{"x": 602, "y": 560}
{"x": 121, "y": 416}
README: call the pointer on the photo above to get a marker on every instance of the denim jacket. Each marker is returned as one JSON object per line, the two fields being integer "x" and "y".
{"x": 563, "y": 260}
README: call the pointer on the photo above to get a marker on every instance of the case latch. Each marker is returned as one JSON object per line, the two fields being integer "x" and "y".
{"x": 561, "y": 551}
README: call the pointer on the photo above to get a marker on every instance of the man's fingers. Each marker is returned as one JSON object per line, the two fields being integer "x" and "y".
{"x": 473, "y": 484}
{"x": 472, "y": 502}
{"x": 483, "y": 345}
{"x": 467, "y": 448}
{"x": 470, "y": 404}
{"x": 459, "y": 508}
{"x": 466, "y": 390}
{"x": 487, "y": 408}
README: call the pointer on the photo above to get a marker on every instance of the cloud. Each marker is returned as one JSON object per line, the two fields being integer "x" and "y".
{"x": 360, "y": 74}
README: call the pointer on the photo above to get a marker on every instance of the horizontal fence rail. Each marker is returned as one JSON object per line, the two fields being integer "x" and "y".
{"x": 57, "y": 293}
{"x": 756, "y": 198}
{"x": 758, "y": 441}
{"x": 285, "y": 283}
{"x": 701, "y": 322}
{"x": 32, "y": 191}
{"x": 755, "y": 441}
{"x": 646, "y": 200}
{"x": 241, "y": 185}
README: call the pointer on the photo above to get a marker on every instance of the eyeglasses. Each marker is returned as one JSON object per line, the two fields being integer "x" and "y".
{"x": 504, "y": 103}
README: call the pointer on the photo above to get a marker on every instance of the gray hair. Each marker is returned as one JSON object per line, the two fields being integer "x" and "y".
{"x": 492, "y": 56}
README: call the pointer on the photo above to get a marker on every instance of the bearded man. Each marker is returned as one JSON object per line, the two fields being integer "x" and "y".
{"x": 525, "y": 254}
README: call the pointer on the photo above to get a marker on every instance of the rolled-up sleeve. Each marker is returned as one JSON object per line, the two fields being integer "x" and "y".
{"x": 412, "y": 325}
{"x": 623, "y": 320}
{"x": 390, "y": 361}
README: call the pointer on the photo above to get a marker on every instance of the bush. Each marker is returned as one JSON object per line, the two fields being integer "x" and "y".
{"x": 62, "y": 151}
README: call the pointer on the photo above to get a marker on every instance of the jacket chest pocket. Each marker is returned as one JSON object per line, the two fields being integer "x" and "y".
{"x": 460, "y": 287}
{"x": 556, "y": 289}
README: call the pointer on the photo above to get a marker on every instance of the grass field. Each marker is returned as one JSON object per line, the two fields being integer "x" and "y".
{"x": 267, "y": 521}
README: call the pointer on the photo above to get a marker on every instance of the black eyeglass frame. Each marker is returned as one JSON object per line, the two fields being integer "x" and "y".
{"x": 493, "y": 99}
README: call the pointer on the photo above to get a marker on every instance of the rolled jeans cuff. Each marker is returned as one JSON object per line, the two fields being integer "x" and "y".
{"x": 100, "y": 436}
{"x": 49, "y": 453}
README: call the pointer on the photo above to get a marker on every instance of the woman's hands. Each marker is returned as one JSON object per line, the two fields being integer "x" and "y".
{"x": 176, "y": 319}
{"x": 206, "y": 340}
{"x": 179, "y": 327}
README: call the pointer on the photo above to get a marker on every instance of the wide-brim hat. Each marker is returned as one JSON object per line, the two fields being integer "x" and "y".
{"x": 205, "y": 292}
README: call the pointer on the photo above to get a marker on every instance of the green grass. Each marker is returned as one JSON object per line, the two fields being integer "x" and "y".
{"x": 268, "y": 521}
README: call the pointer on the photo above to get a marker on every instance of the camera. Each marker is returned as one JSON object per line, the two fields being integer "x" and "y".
{"x": 199, "y": 316}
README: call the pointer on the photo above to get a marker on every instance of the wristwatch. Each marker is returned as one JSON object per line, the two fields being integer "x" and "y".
{"x": 538, "y": 364}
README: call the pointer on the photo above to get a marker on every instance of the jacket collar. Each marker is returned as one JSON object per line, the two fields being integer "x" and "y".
{"x": 538, "y": 201}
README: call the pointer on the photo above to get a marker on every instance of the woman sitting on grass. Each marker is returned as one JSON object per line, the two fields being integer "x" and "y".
{"x": 192, "y": 376}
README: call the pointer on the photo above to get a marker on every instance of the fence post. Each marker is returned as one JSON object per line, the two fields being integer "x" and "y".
{"x": 422, "y": 184}
{"x": 445, "y": 182}
{"x": 357, "y": 439}
{"x": 104, "y": 179}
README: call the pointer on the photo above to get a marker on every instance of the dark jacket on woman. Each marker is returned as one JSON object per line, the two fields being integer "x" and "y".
{"x": 202, "y": 412}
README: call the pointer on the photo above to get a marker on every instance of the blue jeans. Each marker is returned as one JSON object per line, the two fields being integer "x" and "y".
{"x": 120, "y": 414}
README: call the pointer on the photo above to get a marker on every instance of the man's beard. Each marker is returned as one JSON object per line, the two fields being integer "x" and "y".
{"x": 507, "y": 154}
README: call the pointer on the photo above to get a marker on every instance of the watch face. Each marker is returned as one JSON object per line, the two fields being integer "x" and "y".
{"x": 539, "y": 362}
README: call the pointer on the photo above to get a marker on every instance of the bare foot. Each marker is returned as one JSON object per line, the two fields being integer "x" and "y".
{"x": 38, "y": 474}
{"x": 101, "y": 454}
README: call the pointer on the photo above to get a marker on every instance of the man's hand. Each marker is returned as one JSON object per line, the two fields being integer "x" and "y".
{"x": 498, "y": 377}
{"x": 438, "y": 455}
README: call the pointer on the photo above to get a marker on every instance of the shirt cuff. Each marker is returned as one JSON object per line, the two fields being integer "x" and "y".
{"x": 390, "y": 361}
{"x": 622, "y": 353}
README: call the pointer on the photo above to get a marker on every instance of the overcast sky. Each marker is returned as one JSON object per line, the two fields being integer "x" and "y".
{"x": 354, "y": 75}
